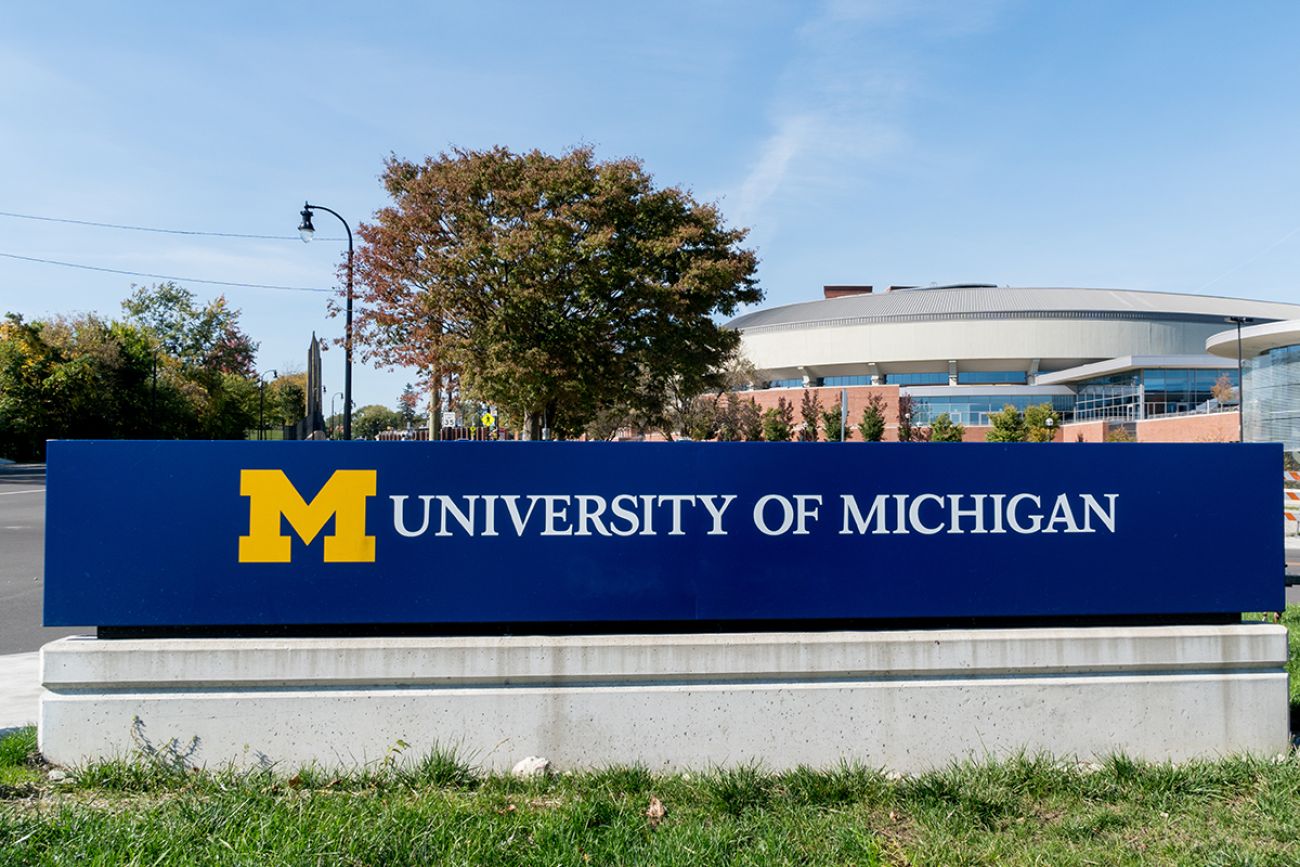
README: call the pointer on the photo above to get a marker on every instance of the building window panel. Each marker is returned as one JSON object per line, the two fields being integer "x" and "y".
{"x": 990, "y": 377}
{"x": 916, "y": 378}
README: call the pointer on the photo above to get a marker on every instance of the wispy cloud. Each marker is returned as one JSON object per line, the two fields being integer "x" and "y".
{"x": 769, "y": 170}
{"x": 838, "y": 111}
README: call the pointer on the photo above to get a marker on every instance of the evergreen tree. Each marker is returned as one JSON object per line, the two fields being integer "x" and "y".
{"x": 1037, "y": 429}
{"x": 1008, "y": 426}
{"x": 945, "y": 430}
{"x": 810, "y": 410}
{"x": 831, "y": 420}
{"x": 778, "y": 422}
{"x": 729, "y": 418}
{"x": 749, "y": 419}
{"x": 872, "y": 426}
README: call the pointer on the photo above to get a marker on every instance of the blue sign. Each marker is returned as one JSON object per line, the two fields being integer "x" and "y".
{"x": 172, "y": 534}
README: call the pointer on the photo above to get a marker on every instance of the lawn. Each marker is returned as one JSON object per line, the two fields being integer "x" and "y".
{"x": 1023, "y": 811}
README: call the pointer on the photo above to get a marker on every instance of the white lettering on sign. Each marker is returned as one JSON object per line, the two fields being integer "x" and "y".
{"x": 1024, "y": 513}
{"x": 624, "y": 515}
{"x": 563, "y": 514}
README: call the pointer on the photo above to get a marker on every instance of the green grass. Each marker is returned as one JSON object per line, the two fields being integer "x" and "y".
{"x": 1291, "y": 620}
{"x": 18, "y": 761}
{"x": 1026, "y": 811}
{"x": 439, "y": 810}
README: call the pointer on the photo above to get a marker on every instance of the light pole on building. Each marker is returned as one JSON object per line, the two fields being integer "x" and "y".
{"x": 307, "y": 231}
{"x": 1241, "y": 379}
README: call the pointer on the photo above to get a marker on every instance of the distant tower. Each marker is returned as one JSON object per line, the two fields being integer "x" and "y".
{"x": 314, "y": 421}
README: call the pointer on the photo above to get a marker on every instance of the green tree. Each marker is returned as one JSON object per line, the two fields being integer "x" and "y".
{"x": 944, "y": 430}
{"x": 369, "y": 420}
{"x": 736, "y": 373}
{"x": 1119, "y": 434}
{"x": 290, "y": 399}
{"x": 872, "y": 426}
{"x": 778, "y": 422}
{"x": 1041, "y": 423}
{"x": 85, "y": 377}
{"x": 700, "y": 421}
{"x": 206, "y": 337}
{"x": 175, "y": 368}
{"x": 553, "y": 285}
{"x": 214, "y": 355}
{"x": 831, "y": 423}
{"x": 749, "y": 418}
{"x": 810, "y": 410}
{"x": 1008, "y": 426}
{"x": 729, "y": 428}
{"x": 408, "y": 404}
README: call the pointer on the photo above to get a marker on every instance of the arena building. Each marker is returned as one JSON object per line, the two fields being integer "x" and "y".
{"x": 1101, "y": 357}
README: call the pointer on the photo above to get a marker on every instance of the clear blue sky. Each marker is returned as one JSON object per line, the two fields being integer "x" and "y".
{"x": 1151, "y": 145}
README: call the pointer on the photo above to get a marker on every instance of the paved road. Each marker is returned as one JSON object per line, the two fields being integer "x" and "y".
{"x": 22, "y": 559}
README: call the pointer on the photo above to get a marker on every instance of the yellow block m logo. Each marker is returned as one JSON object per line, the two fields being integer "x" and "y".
{"x": 272, "y": 496}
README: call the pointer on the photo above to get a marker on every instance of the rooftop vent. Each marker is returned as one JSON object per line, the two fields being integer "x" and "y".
{"x": 844, "y": 291}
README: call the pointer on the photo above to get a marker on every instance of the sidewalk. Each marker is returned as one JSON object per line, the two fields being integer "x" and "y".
{"x": 20, "y": 689}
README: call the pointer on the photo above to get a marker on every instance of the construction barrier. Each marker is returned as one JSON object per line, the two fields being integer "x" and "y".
{"x": 1291, "y": 502}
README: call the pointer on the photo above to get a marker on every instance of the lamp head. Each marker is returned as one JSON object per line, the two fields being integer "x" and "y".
{"x": 306, "y": 229}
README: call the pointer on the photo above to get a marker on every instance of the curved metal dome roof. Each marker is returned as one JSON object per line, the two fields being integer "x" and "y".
{"x": 1004, "y": 302}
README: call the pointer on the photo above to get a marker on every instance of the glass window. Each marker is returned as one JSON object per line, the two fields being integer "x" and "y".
{"x": 975, "y": 409}
{"x": 846, "y": 380}
{"x": 916, "y": 378}
{"x": 991, "y": 377}
{"x": 1272, "y": 394}
{"x": 1129, "y": 378}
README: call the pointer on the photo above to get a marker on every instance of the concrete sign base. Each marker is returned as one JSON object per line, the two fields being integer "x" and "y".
{"x": 906, "y": 701}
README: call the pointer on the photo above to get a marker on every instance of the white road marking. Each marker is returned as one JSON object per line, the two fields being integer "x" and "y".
{"x": 31, "y": 491}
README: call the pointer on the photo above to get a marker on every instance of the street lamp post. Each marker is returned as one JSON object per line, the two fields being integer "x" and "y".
{"x": 307, "y": 230}
{"x": 261, "y": 403}
{"x": 1241, "y": 379}
{"x": 1051, "y": 433}
{"x": 332, "y": 415}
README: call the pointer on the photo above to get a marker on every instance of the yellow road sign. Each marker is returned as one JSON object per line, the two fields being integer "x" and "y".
{"x": 488, "y": 419}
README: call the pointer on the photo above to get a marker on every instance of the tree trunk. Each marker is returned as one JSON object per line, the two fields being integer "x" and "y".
{"x": 548, "y": 421}
{"x": 435, "y": 409}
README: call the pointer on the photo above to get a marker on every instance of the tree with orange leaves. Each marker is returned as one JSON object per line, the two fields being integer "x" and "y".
{"x": 554, "y": 287}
